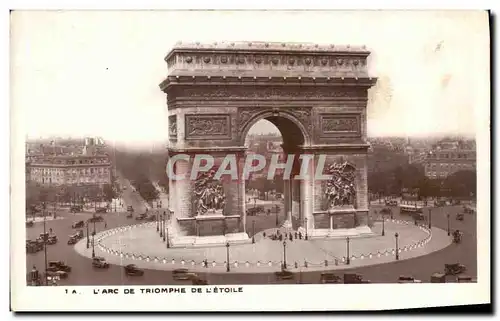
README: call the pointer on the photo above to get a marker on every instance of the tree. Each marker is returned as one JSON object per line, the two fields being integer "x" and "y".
{"x": 108, "y": 192}
{"x": 461, "y": 184}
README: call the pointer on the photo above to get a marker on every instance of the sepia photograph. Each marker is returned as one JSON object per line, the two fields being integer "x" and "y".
{"x": 180, "y": 151}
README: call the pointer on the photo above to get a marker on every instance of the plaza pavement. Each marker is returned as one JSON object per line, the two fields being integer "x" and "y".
{"x": 142, "y": 245}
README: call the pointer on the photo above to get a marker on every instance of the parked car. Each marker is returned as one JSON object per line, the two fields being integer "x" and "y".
{"x": 96, "y": 218}
{"x": 454, "y": 269}
{"x": 72, "y": 240}
{"x": 407, "y": 279}
{"x": 330, "y": 278}
{"x": 141, "y": 217}
{"x": 180, "y": 274}
{"x": 151, "y": 218}
{"x": 57, "y": 274}
{"x": 133, "y": 270}
{"x": 130, "y": 209}
{"x": 457, "y": 236}
{"x": 30, "y": 223}
{"x": 76, "y": 209}
{"x": 33, "y": 246}
{"x": 459, "y": 217}
{"x": 100, "y": 262}
{"x": 78, "y": 224}
{"x": 391, "y": 203}
{"x": 79, "y": 234}
{"x": 101, "y": 210}
{"x": 129, "y": 215}
{"x": 354, "y": 278}
{"x": 58, "y": 266}
{"x": 52, "y": 240}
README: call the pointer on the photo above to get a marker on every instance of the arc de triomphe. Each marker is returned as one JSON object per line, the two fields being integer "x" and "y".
{"x": 315, "y": 95}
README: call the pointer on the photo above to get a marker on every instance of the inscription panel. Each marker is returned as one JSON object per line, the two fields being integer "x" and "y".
{"x": 208, "y": 126}
{"x": 340, "y": 125}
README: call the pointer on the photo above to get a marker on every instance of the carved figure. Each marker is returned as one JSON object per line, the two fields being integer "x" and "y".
{"x": 209, "y": 193}
{"x": 340, "y": 189}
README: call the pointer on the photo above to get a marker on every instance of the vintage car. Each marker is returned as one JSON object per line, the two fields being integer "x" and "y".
{"x": 52, "y": 240}
{"x": 330, "y": 278}
{"x": 130, "y": 209}
{"x": 454, "y": 269}
{"x": 76, "y": 209}
{"x": 72, "y": 240}
{"x": 101, "y": 210}
{"x": 96, "y": 218}
{"x": 30, "y": 223}
{"x": 180, "y": 274}
{"x": 100, "y": 262}
{"x": 196, "y": 280}
{"x": 459, "y": 217}
{"x": 284, "y": 275}
{"x": 79, "y": 234}
{"x": 457, "y": 236}
{"x": 151, "y": 218}
{"x": 465, "y": 279}
{"x": 418, "y": 216}
{"x": 439, "y": 203}
{"x": 141, "y": 217}
{"x": 133, "y": 270}
{"x": 354, "y": 278}
{"x": 468, "y": 209}
{"x": 391, "y": 203}
{"x": 44, "y": 235}
{"x": 407, "y": 279}
{"x": 129, "y": 215}
{"x": 438, "y": 278}
{"x": 33, "y": 246}
{"x": 57, "y": 275}
{"x": 55, "y": 266}
{"x": 78, "y": 224}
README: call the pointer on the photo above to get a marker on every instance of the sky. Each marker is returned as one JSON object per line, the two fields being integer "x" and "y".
{"x": 97, "y": 72}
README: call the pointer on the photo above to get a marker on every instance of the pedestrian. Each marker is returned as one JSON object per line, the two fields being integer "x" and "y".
{"x": 105, "y": 224}
{"x": 300, "y": 235}
{"x": 295, "y": 234}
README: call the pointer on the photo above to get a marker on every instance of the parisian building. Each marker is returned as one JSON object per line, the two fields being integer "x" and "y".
{"x": 446, "y": 159}
{"x": 87, "y": 168}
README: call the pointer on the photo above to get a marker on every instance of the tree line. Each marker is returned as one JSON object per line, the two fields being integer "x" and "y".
{"x": 393, "y": 182}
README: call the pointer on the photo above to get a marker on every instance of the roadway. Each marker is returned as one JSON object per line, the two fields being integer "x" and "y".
{"x": 84, "y": 274}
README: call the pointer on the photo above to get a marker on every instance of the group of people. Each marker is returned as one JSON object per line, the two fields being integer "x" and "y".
{"x": 278, "y": 236}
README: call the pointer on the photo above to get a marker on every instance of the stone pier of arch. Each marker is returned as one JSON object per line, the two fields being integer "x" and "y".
{"x": 315, "y": 95}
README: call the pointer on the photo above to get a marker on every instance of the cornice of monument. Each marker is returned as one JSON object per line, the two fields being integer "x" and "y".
{"x": 268, "y": 47}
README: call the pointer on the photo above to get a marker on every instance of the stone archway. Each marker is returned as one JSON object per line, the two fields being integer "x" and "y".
{"x": 317, "y": 97}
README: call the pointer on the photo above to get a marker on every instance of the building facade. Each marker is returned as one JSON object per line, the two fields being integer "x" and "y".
{"x": 70, "y": 170}
{"x": 441, "y": 163}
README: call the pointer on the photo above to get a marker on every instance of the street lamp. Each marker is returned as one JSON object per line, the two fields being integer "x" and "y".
{"x": 448, "y": 216}
{"x": 157, "y": 223}
{"x": 88, "y": 236}
{"x": 430, "y": 218}
{"x": 284, "y": 254}
{"x": 45, "y": 236}
{"x": 397, "y": 247}
{"x": 227, "y": 254}
{"x": 277, "y": 219}
{"x": 383, "y": 224}
{"x": 305, "y": 218}
{"x": 348, "y": 259}
{"x": 164, "y": 224}
{"x": 253, "y": 231}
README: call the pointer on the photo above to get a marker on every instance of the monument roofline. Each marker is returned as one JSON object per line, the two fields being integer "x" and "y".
{"x": 268, "y": 47}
